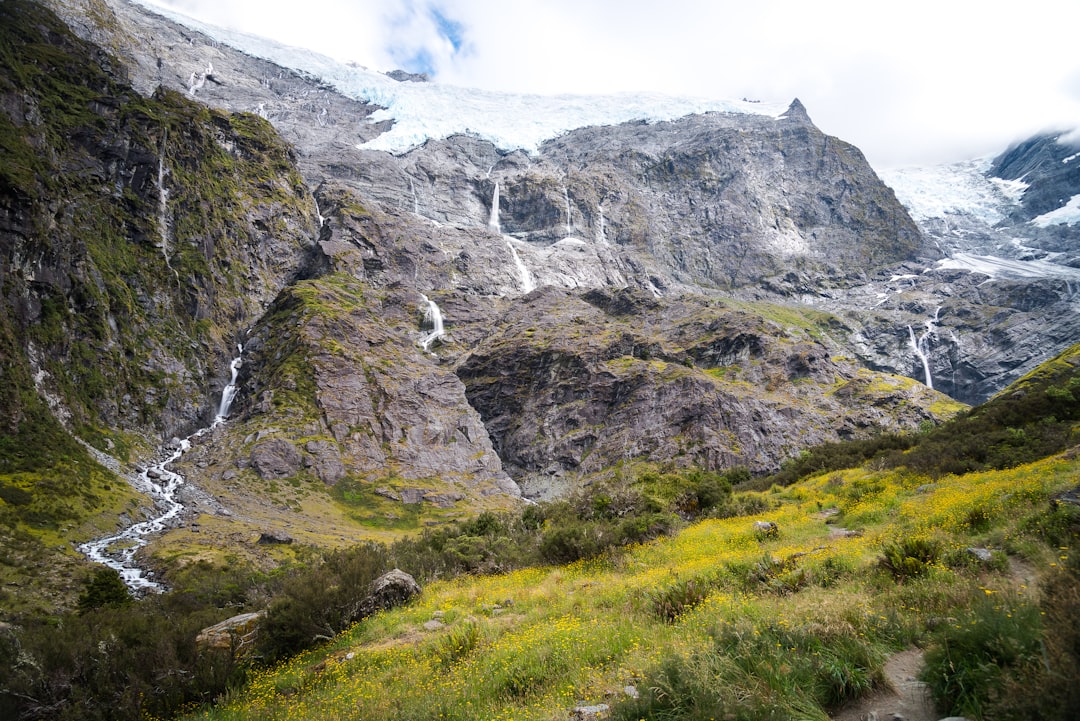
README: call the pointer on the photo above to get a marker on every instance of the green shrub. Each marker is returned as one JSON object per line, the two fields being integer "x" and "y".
{"x": 673, "y": 601}
{"x": 776, "y": 672}
{"x": 316, "y": 603}
{"x": 1048, "y": 690}
{"x": 966, "y": 661}
{"x": 909, "y": 557}
{"x": 103, "y": 588}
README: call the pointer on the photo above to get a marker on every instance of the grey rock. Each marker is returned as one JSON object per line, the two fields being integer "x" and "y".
{"x": 590, "y": 713}
{"x": 275, "y": 458}
{"x": 272, "y": 538}
{"x": 235, "y": 635}
{"x": 390, "y": 590}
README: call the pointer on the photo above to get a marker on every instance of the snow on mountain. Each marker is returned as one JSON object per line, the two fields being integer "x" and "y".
{"x": 423, "y": 111}
{"x": 1068, "y": 214}
{"x": 943, "y": 190}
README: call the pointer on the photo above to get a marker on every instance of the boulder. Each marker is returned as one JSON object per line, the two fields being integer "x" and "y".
{"x": 271, "y": 538}
{"x": 766, "y": 529}
{"x": 236, "y": 634}
{"x": 391, "y": 589}
{"x": 276, "y": 458}
{"x": 589, "y": 713}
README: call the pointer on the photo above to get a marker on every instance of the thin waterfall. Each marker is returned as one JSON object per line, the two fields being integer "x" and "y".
{"x": 527, "y": 283}
{"x": 921, "y": 345}
{"x": 493, "y": 218}
{"x": 118, "y": 551}
{"x": 566, "y": 200}
{"x": 601, "y": 230}
{"x": 433, "y": 319}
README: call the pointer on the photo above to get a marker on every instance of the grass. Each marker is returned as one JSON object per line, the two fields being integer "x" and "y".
{"x": 695, "y": 621}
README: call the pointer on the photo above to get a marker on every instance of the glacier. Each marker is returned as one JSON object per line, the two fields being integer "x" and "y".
{"x": 432, "y": 111}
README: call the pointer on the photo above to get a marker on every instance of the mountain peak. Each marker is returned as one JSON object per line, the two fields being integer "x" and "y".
{"x": 796, "y": 111}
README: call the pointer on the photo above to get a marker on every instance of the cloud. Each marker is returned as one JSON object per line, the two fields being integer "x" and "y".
{"x": 914, "y": 82}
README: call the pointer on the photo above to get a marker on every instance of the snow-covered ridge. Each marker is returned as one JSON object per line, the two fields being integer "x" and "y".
{"x": 424, "y": 111}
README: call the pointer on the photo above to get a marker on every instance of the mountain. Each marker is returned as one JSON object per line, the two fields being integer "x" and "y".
{"x": 440, "y": 308}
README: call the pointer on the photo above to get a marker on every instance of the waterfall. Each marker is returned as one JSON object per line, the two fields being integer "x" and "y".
{"x": 318, "y": 211}
{"x": 921, "y": 345}
{"x": 493, "y": 219}
{"x": 163, "y": 204}
{"x": 229, "y": 392}
{"x": 433, "y": 319}
{"x": 118, "y": 551}
{"x": 601, "y": 230}
{"x": 415, "y": 199}
{"x": 566, "y": 199}
{"x": 527, "y": 284}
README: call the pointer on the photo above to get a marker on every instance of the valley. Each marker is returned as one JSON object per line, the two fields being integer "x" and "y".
{"x": 263, "y": 310}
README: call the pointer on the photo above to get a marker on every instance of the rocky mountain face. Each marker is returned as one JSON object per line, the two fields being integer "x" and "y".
{"x": 439, "y": 331}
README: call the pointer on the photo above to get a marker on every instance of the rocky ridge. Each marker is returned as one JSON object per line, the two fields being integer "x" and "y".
{"x": 687, "y": 292}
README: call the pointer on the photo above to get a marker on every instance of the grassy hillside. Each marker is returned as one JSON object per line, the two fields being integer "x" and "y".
{"x": 720, "y": 619}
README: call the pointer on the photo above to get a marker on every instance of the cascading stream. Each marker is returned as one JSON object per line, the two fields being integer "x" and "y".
{"x": 118, "y": 551}
{"x": 433, "y": 319}
{"x": 921, "y": 346}
{"x": 527, "y": 283}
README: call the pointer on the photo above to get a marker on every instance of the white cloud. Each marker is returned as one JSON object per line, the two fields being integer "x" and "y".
{"x": 910, "y": 82}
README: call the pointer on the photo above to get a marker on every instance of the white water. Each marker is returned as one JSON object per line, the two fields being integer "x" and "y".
{"x": 527, "y": 283}
{"x": 118, "y": 551}
{"x": 601, "y": 229}
{"x": 493, "y": 217}
{"x": 433, "y": 318}
{"x": 198, "y": 80}
{"x": 921, "y": 345}
{"x": 569, "y": 225}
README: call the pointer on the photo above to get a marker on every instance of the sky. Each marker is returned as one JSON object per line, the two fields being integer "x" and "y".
{"x": 909, "y": 83}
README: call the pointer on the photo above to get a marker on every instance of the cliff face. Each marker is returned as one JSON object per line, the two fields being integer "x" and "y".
{"x": 140, "y": 234}
{"x": 431, "y": 333}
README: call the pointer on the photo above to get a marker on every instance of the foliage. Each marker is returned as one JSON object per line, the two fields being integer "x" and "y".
{"x": 764, "y": 672}
{"x": 966, "y": 662}
{"x": 320, "y": 601}
{"x": 836, "y": 456}
{"x": 128, "y": 661}
{"x": 104, "y": 588}
{"x": 910, "y": 557}
{"x": 1048, "y": 690}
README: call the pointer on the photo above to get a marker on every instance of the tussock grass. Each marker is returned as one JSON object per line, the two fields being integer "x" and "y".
{"x": 716, "y": 621}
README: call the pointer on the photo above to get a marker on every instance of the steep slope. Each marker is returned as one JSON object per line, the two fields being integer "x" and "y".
{"x": 139, "y": 236}
{"x": 624, "y": 292}
{"x": 1006, "y": 289}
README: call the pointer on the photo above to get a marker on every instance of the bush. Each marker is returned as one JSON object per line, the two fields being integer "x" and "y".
{"x": 316, "y": 603}
{"x": 103, "y": 588}
{"x": 966, "y": 662}
{"x": 673, "y": 601}
{"x": 1048, "y": 690}
{"x": 910, "y": 557}
{"x": 775, "y": 673}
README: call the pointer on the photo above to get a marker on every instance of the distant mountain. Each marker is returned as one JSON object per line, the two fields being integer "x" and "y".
{"x": 437, "y": 319}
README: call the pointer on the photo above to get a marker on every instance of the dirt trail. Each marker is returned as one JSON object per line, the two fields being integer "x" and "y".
{"x": 904, "y": 696}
